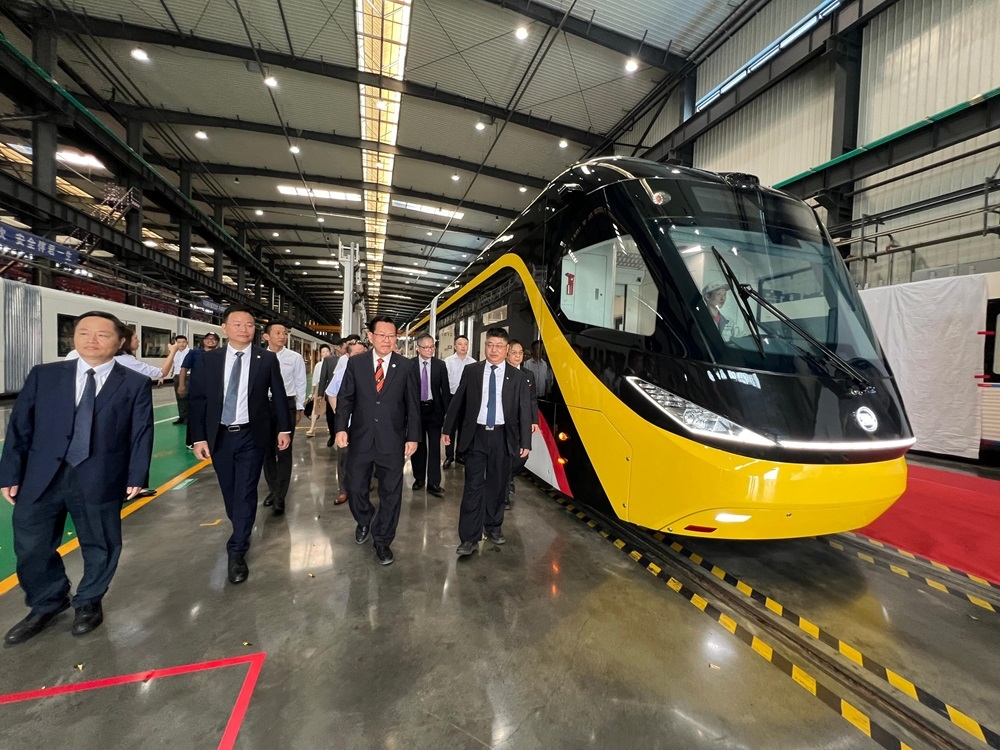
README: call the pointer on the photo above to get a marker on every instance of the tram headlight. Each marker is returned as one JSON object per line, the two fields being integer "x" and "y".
{"x": 696, "y": 419}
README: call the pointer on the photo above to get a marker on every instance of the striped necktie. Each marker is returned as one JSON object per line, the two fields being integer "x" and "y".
{"x": 379, "y": 377}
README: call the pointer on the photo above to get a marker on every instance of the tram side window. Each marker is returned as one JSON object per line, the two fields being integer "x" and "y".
{"x": 608, "y": 285}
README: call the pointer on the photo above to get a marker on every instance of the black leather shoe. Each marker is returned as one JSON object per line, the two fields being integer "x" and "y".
{"x": 238, "y": 570}
{"x": 507, "y": 503}
{"x": 268, "y": 501}
{"x": 88, "y": 617}
{"x": 417, "y": 486}
{"x": 329, "y": 443}
{"x": 384, "y": 554}
{"x": 436, "y": 491}
{"x": 460, "y": 460}
{"x": 465, "y": 549}
{"x": 179, "y": 421}
{"x": 32, "y": 625}
{"x": 279, "y": 510}
{"x": 510, "y": 488}
{"x": 496, "y": 537}
{"x": 448, "y": 462}
{"x": 361, "y": 533}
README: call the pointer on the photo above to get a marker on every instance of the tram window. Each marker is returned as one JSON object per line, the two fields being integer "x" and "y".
{"x": 155, "y": 342}
{"x": 608, "y": 285}
{"x": 996, "y": 346}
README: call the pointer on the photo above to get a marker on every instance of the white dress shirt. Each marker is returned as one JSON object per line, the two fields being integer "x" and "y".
{"x": 101, "y": 373}
{"x": 501, "y": 368}
{"x": 455, "y": 367}
{"x": 317, "y": 370}
{"x": 338, "y": 376}
{"x": 179, "y": 358}
{"x": 293, "y": 372}
{"x": 129, "y": 361}
{"x": 242, "y": 398}
{"x": 542, "y": 373}
{"x": 425, "y": 364}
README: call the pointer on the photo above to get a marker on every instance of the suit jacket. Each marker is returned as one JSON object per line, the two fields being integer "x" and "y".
{"x": 41, "y": 427}
{"x": 439, "y": 386}
{"x": 208, "y": 394}
{"x": 529, "y": 377}
{"x": 516, "y": 407}
{"x": 379, "y": 422}
{"x": 326, "y": 374}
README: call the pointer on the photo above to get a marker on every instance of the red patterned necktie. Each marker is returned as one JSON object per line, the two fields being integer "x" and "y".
{"x": 379, "y": 376}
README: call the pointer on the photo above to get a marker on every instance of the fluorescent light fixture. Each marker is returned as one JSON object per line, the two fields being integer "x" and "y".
{"x": 79, "y": 160}
{"x": 201, "y": 135}
{"x": 563, "y": 143}
{"x": 521, "y": 33}
{"x": 140, "y": 55}
{"x": 329, "y": 195}
{"x": 402, "y": 269}
{"x": 206, "y": 250}
{"x": 631, "y": 65}
{"x": 327, "y": 263}
{"x": 271, "y": 81}
{"x": 294, "y": 149}
{"x": 433, "y": 210}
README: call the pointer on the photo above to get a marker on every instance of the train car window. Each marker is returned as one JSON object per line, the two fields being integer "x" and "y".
{"x": 155, "y": 342}
{"x": 65, "y": 327}
{"x": 993, "y": 372}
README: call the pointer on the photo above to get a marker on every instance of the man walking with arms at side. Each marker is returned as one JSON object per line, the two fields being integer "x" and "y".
{"x": 435, "y": 395}
{"x": 79, "y": 442}
{"x": 455, "y": 363}
{"x": 181, "y": 395}
{"x": 278, "y": 463}
{"x": 378, "y": 415}
{"x": 231, "y": 422}
{"x": 496, "y": 428}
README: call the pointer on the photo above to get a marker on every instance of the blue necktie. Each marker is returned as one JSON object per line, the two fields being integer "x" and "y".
{"x": 232, "y": 391}
{"x": 83, "y": 423}
{"x": 491, "y": 402}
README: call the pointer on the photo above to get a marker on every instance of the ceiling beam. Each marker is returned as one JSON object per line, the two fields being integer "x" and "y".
{"x": 75, "y": 23}
{"x": 648, "y": 54}
{"x": 269, "y": 243}
{"x": 172, "y": 117}
{"x": 322, "y": 228}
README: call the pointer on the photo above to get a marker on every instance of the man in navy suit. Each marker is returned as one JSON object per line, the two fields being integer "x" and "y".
{"x": 79, "y": 442}
{"x": 496, "y": 402}
{"x": 378, "y": 414}
{"x": 230, "y": 421}
{"x": 435, "y": 395}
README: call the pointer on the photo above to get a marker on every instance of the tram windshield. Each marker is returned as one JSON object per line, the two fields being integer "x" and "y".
{"x": 775, "y": 246}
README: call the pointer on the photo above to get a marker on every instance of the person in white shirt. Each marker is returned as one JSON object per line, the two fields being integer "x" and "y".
{"x": 126, "y": 358}
{"x": 456, "y": 363}
{"x": 353, "y": 348}
{"x": 278, "y": 463}
{"x": 540, "y": 369}
{"x": 182, "y": 401}
{"x": 318, "y": 399}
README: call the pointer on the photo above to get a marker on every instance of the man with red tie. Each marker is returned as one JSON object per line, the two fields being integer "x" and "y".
{"x": 378, "y": 415}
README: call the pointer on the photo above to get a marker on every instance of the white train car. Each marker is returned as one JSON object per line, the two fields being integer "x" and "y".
{"x": 37, "y": 327}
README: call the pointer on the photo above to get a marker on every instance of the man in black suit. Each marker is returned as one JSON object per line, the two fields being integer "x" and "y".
{"x": 515, "y": 358}
{"x": 325, "y": 376}
{"x": 435, "y": 395}
{"x": 497, "y": 428}
{"x": 79, "y": 441}
{"x": 378, "y": 415}
{"x": 230, "y": 418}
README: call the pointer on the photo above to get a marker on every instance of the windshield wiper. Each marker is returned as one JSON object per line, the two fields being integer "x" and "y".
{"x": 746, "y": 292}
{"x": 740, "y": 300}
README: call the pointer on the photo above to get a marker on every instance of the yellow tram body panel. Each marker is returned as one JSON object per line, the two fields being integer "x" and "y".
{"x": 661, "y": 480}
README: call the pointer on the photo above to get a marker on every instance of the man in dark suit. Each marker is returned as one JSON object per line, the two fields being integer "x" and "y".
{"x": 497, "y": 428}
{"x": 515, "y": 358}
{"x": 79, "y": 441}
{"x": 378, "y": 415}
{"x": 231, "y": 418}
{"x": 435, "y": 396}
{"x": 325, "y": 376}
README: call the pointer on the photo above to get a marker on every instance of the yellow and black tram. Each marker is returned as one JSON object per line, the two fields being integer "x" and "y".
{"x": 715, "y": 373}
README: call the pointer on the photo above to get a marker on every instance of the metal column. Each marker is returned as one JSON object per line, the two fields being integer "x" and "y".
{"x": 219, "y": 259}
{"x": 133, "y": 219}
{"x": 185, "y": 225}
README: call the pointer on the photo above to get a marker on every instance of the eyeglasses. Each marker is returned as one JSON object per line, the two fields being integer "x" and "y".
{"x": 427, "y": 346}
{"x": 495, "y": 347}
{"x": 383, "y": 335}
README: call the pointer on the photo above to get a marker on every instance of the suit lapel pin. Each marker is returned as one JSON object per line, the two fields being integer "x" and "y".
{"x": 393, "y": 366}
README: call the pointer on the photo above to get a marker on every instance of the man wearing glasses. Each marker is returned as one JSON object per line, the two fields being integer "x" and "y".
{"x": 496, "y": 428}
{"x": 378, "y": 415}
{"x": 435, "y": 395}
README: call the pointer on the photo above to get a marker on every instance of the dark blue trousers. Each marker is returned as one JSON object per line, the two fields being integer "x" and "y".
{"x": 388, "y": 470}
{"x": 487, "y": 474}
{"x": 38, "y": 531}
{"x": 237, "y": 462}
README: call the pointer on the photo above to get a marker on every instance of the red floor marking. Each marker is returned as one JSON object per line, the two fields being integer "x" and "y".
{"x": 256, "y": 662}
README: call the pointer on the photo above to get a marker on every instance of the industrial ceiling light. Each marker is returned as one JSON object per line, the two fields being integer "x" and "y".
{"x": 258, "y": 212}
{"x": 563, "y": 143}
{"x": 275, "y": 234}
{"x": 149, "y": 243}
{"x": 523, "y": 189}
{"x": 521, "y": 33}
{"x": 294, "y": 149}
{"x": 631, "y": 65}
{"x": 480, "y": 125}
{"x": 271, "y": 81}
{"x": 320, "y": 219}
{"x": 298, "y": 263}
{"x": 140, "y": 55}
{"x": 201, "y": 135}
{"x": 454, "y": 177}
{"x": 430, "y": 234}
{"x": 287, "y": 250}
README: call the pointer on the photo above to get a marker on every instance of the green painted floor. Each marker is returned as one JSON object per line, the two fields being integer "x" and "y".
{"x": 170, "y": 458}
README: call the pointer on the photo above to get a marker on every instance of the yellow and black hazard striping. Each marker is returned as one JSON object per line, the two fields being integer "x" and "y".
{"x": 882, "y": 736}
{"x": 913, "y": 556}
{"x": 900, "y": 571}
{"x": 924, "y": 697}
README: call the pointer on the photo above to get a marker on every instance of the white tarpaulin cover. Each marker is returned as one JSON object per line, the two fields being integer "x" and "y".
{"x": 928, "y": 330}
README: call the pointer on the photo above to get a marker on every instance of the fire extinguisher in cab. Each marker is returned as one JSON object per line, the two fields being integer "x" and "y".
{"x": 570, "y": 279}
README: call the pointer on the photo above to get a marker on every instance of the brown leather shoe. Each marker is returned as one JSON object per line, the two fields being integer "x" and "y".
{"x": 341, "y": 499}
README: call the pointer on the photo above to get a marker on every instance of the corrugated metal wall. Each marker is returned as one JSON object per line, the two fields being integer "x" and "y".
{"x": 919, "y": 58}
{"x": 781, "y": 133}
{"x": 22, "y": 341}
{"x": 668, "y": 120}
{"x": 773, "y": 20}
